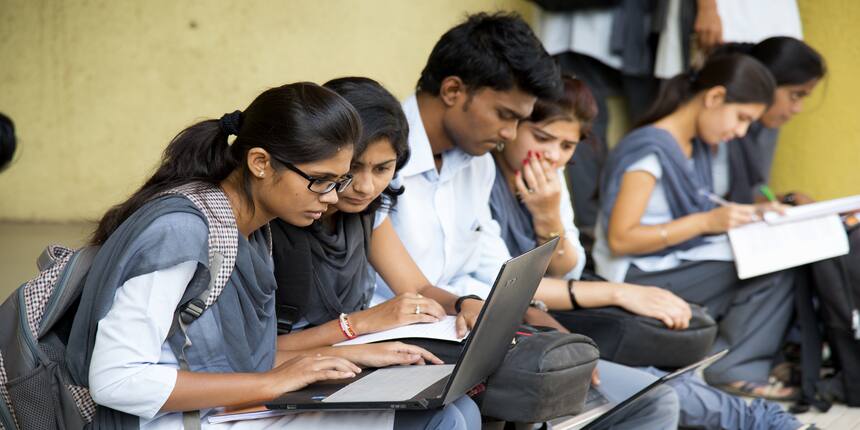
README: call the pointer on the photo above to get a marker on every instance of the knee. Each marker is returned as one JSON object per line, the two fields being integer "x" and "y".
{"x": 462, "y": 414}
{"x": 470, "y": 412}
{"x": 666, "y": 402}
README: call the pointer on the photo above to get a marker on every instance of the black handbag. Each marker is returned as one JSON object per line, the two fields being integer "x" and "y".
{"x": 635, "y": 340}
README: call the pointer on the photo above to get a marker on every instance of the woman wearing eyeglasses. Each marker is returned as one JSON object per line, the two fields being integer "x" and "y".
{"x": 292, "y": 152}
{"x": 352, "y": 241}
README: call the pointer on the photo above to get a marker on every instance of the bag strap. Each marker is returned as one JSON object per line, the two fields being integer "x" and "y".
{"x": 223, "y": 247}
{"x": 293, "y": 273}
{"x": 810, "y": 344}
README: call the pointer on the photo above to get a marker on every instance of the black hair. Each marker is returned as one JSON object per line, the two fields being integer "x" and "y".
{"x": 576, "y": 104}
{"x": 295, "y": 123}
{"x": 745, "y": 79}
{"x": 8, "y": 142}
{"x": 497, "y": 50}
{"x": 790, "y": 61}
{"x": 381, "y": 118}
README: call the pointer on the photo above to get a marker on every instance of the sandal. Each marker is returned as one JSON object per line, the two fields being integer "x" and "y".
{"x": 754, "y": 389}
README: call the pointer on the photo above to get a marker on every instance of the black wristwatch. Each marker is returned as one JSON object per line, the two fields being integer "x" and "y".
{"x": 789, "y": 199}
{"x": 459, "y": 303}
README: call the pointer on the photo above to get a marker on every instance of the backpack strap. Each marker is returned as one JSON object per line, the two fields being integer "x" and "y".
{"x": 223, "y": 248}
{"x": 293, "y": 273}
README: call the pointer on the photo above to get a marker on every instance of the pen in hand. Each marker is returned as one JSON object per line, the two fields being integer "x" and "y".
{"x": 719, "y": 201}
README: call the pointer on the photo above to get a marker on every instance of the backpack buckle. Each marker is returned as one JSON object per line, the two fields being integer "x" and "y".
{"x": 287, "y": 316}
{"x": 192, "y": 310}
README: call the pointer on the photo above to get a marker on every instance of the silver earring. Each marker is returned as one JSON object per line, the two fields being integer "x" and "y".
{"x": 500, "y": 146}
{"x": 261, "y": 173}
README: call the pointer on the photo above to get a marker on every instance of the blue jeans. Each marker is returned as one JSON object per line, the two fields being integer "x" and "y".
{"x": 659, "y": 410}
{"x": 706, "y": 407}
{"x": 462, "y": 414}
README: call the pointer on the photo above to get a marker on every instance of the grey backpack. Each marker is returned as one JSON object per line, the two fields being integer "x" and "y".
{"x": 545, "y": 375}
{"x": 35, "y": 388}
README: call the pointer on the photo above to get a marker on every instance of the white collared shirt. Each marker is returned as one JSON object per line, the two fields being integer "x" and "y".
{"x": 443, "y": 218}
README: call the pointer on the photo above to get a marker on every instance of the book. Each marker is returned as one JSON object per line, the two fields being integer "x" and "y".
{"x": 445, "y": 329}
{"x": 762, "y": 247}
{"x": 814, "y": 210}
{"x": 250, "y": 413}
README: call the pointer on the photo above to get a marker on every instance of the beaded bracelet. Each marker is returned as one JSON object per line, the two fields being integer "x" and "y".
{"x": 346, "y": 327}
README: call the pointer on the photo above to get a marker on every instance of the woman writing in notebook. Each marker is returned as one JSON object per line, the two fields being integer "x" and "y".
{"x": 530, "y": 204}
{"x": 661, "y": 225}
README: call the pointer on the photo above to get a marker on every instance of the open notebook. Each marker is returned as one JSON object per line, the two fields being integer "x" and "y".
{"x": 445, "y": 329}
{"x": 805, "y": 234}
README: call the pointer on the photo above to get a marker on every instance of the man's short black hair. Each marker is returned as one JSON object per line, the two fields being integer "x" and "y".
{"x": 497, "y": 50}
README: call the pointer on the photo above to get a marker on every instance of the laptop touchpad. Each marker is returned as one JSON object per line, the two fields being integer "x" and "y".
{"x": 391, "y": 384}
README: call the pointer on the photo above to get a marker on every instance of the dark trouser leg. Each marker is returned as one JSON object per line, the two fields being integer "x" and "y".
{"x": 752, "y": 314}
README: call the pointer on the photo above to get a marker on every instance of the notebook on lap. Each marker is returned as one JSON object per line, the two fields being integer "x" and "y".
{"x": 432, "y": 386}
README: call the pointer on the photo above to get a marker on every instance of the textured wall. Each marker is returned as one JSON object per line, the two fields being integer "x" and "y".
{"x": 819, "y": 150}
{"x": 98, "y": 88}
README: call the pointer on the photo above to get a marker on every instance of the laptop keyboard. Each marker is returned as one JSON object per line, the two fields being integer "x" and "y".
{"x": 391, "y": 384}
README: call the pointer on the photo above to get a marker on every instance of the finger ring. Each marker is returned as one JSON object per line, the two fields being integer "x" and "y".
{"x": 530, "y": 190}
{"x": 417, "y": 309}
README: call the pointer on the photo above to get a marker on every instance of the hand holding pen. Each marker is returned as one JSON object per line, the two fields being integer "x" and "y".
{"x": 726, "y": 215}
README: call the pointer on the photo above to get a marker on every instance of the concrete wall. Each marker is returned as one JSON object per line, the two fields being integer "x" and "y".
{"x": 819, "y": 150}
{"x": 98, "y": 88}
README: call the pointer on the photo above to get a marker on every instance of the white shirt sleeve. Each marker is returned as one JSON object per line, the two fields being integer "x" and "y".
{"x": 379, "y": 217}
{"x": 571, "y": 233}
{"x": 649, "y": 163}
{"x": 133, "y": 370}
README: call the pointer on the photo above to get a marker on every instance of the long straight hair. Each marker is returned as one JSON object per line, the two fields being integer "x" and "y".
{"x": 295, "y": 123}
{"x": 381, "y": 118}
{"x": 791, "y": 61}
{"x": 745, "y": 79}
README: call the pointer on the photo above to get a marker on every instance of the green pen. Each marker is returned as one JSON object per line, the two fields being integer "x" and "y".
{"x": 765, "y": 191}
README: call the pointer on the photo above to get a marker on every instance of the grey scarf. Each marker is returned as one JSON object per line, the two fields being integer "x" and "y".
{"x": 243, "y": 314}
{"x": 682, "y": 182}
{"x": 338, "y": 276}
{"x": 513, "y": 217}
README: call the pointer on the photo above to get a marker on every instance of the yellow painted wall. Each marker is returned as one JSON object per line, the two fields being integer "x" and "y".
{"x": 819, "y": 150}
{"x": 98, "y": 88}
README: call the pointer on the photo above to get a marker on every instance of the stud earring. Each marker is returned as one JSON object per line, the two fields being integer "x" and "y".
{"x": 261, "y": 173}
{"x": 500, "y": 146}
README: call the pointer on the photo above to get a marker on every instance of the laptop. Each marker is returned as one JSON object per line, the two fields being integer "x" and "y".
{"x": 601, "y": 413}
{"x": 433, "y": 386}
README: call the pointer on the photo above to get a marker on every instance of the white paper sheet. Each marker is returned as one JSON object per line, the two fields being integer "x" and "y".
{"x": 815, "y": 210}
{"x": 445, "y": 329}
{"x": 761, "y": 248}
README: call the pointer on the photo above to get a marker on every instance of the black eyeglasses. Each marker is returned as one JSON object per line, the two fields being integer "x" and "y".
{"x": 321, "y": 186}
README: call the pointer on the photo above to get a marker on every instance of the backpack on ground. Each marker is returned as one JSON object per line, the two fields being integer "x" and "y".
{"x": 35, "y": 387}
{"x": 834, "y": 285}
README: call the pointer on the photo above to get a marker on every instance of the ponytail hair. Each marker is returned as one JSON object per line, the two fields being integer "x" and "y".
{"x": 791, "y": 61}
{"x": 745, "y": 79}
{"x": 295, "y": 123}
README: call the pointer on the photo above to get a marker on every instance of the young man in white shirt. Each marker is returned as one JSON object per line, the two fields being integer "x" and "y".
{"x": 482, "y": 78}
